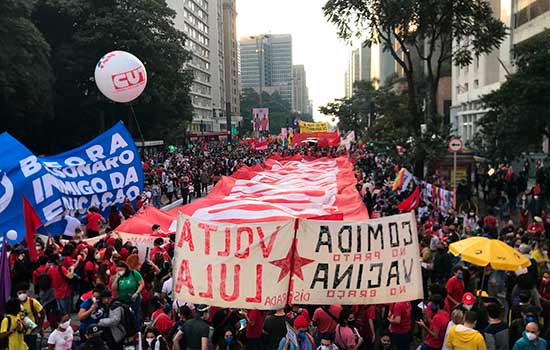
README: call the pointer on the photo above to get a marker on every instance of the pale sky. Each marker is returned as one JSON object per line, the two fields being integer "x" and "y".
{"x": 314, "y": 41}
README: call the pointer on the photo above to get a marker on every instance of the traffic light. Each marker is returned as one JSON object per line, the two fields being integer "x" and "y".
{"x": 371, "y": 145}
{"x": 172, "y": 148}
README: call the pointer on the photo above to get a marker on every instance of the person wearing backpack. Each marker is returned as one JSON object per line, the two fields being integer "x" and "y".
{"x": 33, "y": 310}
{"x": 12, "y": 328}
{"x": 114, "y": 324}
{"x": 128, "y": 285}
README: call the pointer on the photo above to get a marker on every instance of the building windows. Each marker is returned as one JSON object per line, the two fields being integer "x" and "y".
{"x": 476, "y": 84}
{"x": 527, "y": 10}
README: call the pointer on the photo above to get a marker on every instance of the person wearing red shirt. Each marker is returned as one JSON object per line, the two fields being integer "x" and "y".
{"x": 455, "y": 289}
{"x": 60, "y": 276}
{"x": 158, "y": 242}
{"x": 326, "y": 318}
{"x": 93, "y": 219}
{"x": 364, "y": 322}
{"x": 160, "y": 319}
{"x": 254, "y": 326}
{"x": 436, "y": 327}
{"x": 399, "y": 317}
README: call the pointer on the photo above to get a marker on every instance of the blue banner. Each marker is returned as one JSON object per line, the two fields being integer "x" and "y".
{"x": 101, "y": 173}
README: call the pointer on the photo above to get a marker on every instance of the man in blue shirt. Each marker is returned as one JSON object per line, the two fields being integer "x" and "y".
{"x": 530, "y": 339}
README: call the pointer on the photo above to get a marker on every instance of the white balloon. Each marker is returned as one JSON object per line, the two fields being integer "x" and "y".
{"x": 11, "y": 235}
{"x": 120, "y": 76}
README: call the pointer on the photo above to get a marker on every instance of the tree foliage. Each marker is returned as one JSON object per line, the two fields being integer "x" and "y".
{"x": 354, "y": 112}
{"x": 420, "y": 31}
{"x": 518, "y": 111}
{"x": 77, "y": 33}
{"x": 279, "y": 110}
{"x": 419, "y": 35}
{"x": 25, "y": 73}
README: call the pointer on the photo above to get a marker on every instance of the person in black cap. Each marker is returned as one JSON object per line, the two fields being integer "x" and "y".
{"x": 195, "y": 331}
{"x": 93, "y": 339}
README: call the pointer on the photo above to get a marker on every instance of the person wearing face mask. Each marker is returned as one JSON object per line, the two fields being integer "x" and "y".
{"x": 154, "y": 340}
{"x": 327, "y": 342}
{"x": 530, "y": 339}
{"x": 347, "y": 336}
{"x": 303, "y": 338}
{"x": 128, "y": 285}
{"x": 62, "y": 337}
{"x": 92, "y": 309}
{"x": 229, "y": 341}
{"x": 435, "y": 325}
{"x": 33, "y": 309}
{"x": 455, "y": 289}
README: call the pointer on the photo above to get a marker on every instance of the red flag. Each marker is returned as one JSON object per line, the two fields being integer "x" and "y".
{"x": 412, "y": 202}
{"x": 32, "y": 221}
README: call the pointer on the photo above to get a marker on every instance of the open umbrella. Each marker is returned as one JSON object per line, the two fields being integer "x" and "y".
{"x": 483, "y": 251}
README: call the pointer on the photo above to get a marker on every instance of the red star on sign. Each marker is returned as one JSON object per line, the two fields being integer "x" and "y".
{"x": 292, "y": 262}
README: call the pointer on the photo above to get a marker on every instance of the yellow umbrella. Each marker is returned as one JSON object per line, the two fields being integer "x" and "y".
{"x": 483, "y": 251}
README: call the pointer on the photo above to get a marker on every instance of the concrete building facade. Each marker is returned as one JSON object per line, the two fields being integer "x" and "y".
{"x": 525, "y": 18}
{"x": 231, "y": 54}
{"x": 302, "y": 103}
{"x": 266, "y": 64}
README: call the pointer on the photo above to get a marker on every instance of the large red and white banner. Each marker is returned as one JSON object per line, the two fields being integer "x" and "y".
{"x": 233, "y": 265}
{"x": 281, "y": 190}
{"x": 249, "y": 265}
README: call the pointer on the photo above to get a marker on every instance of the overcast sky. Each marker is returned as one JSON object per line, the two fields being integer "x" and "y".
{"x": 314, "y": 41}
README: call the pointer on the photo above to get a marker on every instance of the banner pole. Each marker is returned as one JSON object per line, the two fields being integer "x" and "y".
{"x": 293, "y": 247}
{"x": 139, "y": 129}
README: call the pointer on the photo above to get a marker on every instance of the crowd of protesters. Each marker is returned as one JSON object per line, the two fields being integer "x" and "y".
{"x": 102, "y": 296}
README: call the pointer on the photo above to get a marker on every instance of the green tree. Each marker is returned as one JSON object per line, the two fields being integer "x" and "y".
{"x": 25, "y": 73}
{"x": 80, "y": 32}
{"x": 419, "y": 34}
{"x": 518, "y": 118}
{"x": 356, "y": 112}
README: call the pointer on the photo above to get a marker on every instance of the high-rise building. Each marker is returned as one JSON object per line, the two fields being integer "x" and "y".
{"x": 231, "y": 55}
{"x": 359, "y": 67}
{"x": 203, "y": 23}
{"x": 266, "y": 64}
{"x": 302, "y": 103}
{"x": 526, "y": 19}
{"x": 217, "y": 63}
{"x": 192, "y": 17}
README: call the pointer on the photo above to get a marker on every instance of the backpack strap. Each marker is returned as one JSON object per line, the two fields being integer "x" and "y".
{"x": 33, "y": 309}
{"x": 155, "y": 320}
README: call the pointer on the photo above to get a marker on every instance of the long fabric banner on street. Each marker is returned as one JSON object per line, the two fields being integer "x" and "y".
{"x": 248, "y": 265}
{"x": 309, "y": 127}
{"x": 102, "y": 173}
{"x": 281, "y": 190}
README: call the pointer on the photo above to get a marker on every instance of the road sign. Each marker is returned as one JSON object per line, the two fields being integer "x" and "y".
{"x": 456, "y": 145}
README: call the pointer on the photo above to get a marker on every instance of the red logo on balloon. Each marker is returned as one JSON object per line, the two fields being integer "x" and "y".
{"x": 129, "y": 79}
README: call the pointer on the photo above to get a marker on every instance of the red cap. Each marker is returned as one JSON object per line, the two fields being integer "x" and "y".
{"x": 300, "y": 322}
{"x": 468, "y": 298}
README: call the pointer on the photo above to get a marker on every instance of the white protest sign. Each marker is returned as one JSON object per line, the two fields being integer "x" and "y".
{"x": 369, "y": 262}
{"x": 233, "y": 265}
